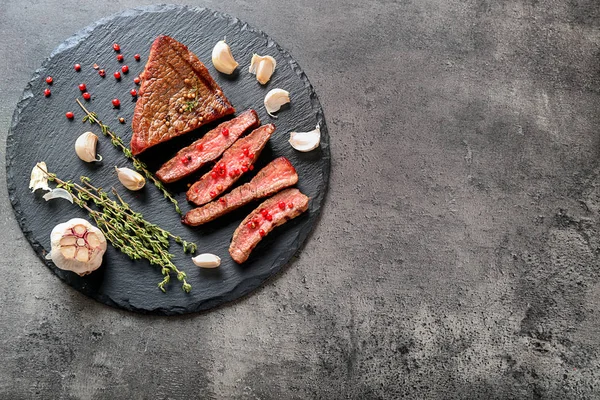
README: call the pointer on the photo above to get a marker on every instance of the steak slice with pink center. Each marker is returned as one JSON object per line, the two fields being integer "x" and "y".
{"x": 276, "y": 175}
{"x": 273, "y": 212}
{"x": 236, "y": 161}
{"x": 208, "y": 148}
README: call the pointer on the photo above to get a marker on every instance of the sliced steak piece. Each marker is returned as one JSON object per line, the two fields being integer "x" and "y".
{"x": 236, "y": 161}
{"x": 271, "y": 213}
{"x": 210, "y": 147}
{"x": 177, "y": 95}
{"x": 277, "y": 175}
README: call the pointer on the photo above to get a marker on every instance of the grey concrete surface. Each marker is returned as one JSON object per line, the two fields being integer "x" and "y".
{"x": 458, "y": 253}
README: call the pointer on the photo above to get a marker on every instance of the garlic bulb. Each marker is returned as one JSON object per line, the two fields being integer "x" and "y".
{"x": 263, "y": 67}
{"x": 85, "y": 147}
{"x": 130, "y": 179}
{"x": 222, "y": 58}
{"x": 275, "y": 99}
{"x": 207, "y": 260}
{"x": 39, "y": 180}
{"x": 306, "y": 141}
{"x": 77, "y": 246}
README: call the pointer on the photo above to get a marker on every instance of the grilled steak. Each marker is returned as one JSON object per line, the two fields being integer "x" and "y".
{"x": 177, "y": 95}
{"x": 271, "y": 213}
{"x": 277, "y": 175}
{"x": 236, "y": 161}
{"x": 191, "y": 158}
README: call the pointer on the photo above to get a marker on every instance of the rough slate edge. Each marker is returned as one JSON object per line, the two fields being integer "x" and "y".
{"x": 241, "y": 290}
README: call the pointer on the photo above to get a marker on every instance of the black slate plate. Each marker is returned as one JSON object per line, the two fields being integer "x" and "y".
{"x": 40, "y": 132}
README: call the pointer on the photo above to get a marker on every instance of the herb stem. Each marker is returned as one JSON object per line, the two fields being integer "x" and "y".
{"x": 116, "y": 140}
{"x": 126, "y": 229}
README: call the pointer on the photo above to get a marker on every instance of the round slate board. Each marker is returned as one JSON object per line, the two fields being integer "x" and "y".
{"x": 40, "y": 132}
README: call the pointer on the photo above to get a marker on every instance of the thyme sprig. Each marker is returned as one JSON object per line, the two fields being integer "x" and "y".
{"x": 126, "y": 229}
{"x": 92, "y": 118}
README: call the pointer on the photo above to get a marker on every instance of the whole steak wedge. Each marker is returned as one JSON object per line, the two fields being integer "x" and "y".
{"x": 177, "y": 95}
{"x": 270, "y": 214}
{"x": 236, "y": 161}
{"x": 208, "y": 148}
{"x": 276, "y": 175}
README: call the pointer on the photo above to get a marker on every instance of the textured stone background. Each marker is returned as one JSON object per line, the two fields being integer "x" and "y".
{"x": 457, "y": 256}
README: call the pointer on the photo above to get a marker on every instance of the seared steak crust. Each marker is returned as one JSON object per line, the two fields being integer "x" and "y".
{"x": 165, "y": 107}
{"x": 208, "y": 148}
{"x": 236, "y": 161}
{"x": 264, "y": 219}
{"x": 276, "y": 175}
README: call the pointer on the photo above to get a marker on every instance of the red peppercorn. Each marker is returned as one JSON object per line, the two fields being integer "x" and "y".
{"x": 69, "y": 115}
{"x": 136, "y": 80}
{"x": 137, "y": 57}
{"x": 213, "y": 194}
{"x": 256, "y": 220}
{"x": 47, "y": 92}
{"x": 102, "y": 73}
{"x": 222, "y": 170}
{"x": 82, "y": 87}
{"x": 185, "y": 160}
{"x": 199, "y": 147}
{"x": 125, "y": 69}
{"x": 133, "y": 92}
{"x": 261, "y": 233}
{"x": 269, "y": 217}
{"x": 245, "y": 151}
{"x": 214, "y": 174}
{"x": 290, "y": 205}
{"x": 49, "y": 80}
{"x": 117, "y": 75}
{"x": 77, "y": 67}
{"x": 116, "y": 103}
{"x": 95, "y": 66}
{"x": 222, "y": 200}
{"x": 264, "y": 212}
{"x": 116, "y": 47}
{"x": 225, "y": 132}
{"x": 251, "y": 225}
{"x": 86, "y": 95}
{"x": 251, "y": 167}
{"x": 120, "y": 57}
{"x": 220, "y": 188}
{"x": 244, "y": 168}
{"x": 232, "y": 174}
{"x": 281, "y": 205}
{"x": 250, "y": 155}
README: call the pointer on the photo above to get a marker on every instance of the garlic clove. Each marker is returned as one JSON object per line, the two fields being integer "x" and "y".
{"x": 77, "y": 246}
{"x": 263, "y": 67}
{"x": 222, "y": 58}
{"x": 275, "y": 99}
{"x": 131, "y": 179}
{"x": 306, "y": 141}
{"x": 39, "y": 179}
{"x": 85, "y": 147}
{"x": 207, "y": 260}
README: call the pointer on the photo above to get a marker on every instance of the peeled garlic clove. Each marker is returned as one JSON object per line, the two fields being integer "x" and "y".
{"x": 39, "y": 179}
{"x": 207, "y": 260}
{"x": 222, "y": 58}
{"x": 263, "y": 67}
{"x": 275, "y": 99}
{"x": 85, "y": 147}
{"x": 130, "y": 179}
{"x": 77, "y": 246}
{"x": 306, "y": 141}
